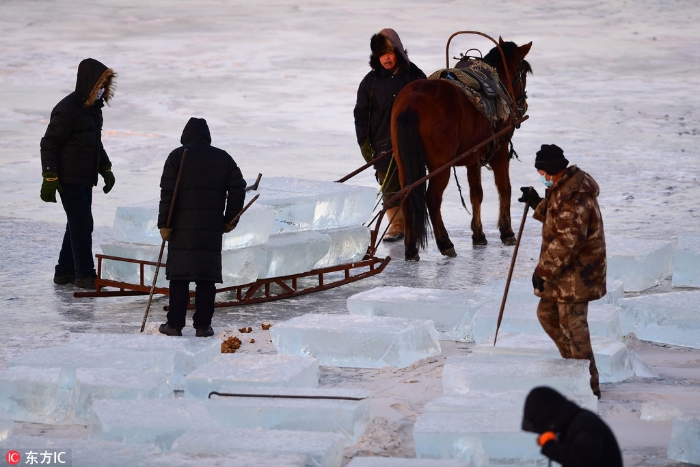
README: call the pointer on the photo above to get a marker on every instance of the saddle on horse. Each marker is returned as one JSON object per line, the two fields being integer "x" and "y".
{"x": 480, "y": 83}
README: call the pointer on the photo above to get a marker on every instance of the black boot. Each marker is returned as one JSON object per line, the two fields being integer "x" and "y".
{"x": 205, "y": 332}
{"x": 64, "y": 279}
{"x": 168, "y": 331}
{"x": 85, "y": 282}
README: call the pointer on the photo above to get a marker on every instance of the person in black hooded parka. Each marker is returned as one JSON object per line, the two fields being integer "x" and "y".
{"x": 210, "y": 194}
{"x": 570, "y": 435}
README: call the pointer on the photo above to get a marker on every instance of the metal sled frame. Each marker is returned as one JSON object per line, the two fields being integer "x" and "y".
{"x": 259, "y": 291}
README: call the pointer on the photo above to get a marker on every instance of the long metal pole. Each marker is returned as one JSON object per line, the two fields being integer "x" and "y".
{"x": 162, "y": 245}
{"x": 368, "y": 164}
{"x": 245, "y": 208}
{"x": 512, "y": 265}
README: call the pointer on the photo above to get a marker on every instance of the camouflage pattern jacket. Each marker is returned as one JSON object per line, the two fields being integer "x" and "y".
{"x": 572, "y": 258}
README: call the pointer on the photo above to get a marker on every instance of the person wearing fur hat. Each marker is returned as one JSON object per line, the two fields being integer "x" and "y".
{"x": 572, "y": 265}
{"x": 72, "y": 156}
{"x": 391, "y": 71}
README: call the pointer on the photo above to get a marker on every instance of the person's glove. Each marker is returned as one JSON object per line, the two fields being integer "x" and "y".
{"x": 229, "y": 227}
{"x": 546, "y": 437}
{"x": 165, "y": 233}
{"x": 49, "y": 187}
{"x": 537, "y": 282}
{"x": 367, "y": 150}
{"x": 530, "y": 196}
{"x": 106, "y": 172}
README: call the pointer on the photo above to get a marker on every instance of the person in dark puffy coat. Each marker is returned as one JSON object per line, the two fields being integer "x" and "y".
{"x": 210, "y": 194}
{"x": 569, "y": 434}
{"x": 72, "y": 156}
{"x": 391, "y": 71}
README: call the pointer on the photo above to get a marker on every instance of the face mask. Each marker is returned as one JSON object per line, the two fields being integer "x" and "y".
{"x": 100, "y": 92}
{"x": 547, "y": 183}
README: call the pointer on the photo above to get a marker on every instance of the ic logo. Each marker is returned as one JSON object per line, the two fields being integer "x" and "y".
{"x": 13, "y": 457}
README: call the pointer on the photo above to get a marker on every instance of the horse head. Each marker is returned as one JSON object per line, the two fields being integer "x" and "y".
{"x": 518, "y": 68}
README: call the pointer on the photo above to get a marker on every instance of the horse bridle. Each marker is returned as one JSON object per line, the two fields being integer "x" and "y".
{"x": 521, "y": 102}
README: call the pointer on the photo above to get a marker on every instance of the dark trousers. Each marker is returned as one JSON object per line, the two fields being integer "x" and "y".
{"x": 203, "y": 303}
{"x": 76, "y": 252}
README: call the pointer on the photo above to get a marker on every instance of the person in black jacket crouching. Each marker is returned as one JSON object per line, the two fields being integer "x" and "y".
{"x": 568, "y": 434}
{"x": 210, "y": 194}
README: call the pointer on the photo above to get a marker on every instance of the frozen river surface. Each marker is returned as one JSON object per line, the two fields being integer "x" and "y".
{"x": 615, "y": 84}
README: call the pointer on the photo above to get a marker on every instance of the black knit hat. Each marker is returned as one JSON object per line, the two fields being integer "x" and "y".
{"x": 550, "y": 158}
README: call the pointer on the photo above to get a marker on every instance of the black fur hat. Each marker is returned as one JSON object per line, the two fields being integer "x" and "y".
{"x": 385, "y": 41}
{"x": 380, "y": 45}
{"x": 550, "y": 158}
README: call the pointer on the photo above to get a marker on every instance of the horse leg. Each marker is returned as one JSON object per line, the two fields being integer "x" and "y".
{"x": 436, "y": 187}
{"x": 409, "y": 239}
{"x": 476, "y": 196}
{"x": 500, "y": 166}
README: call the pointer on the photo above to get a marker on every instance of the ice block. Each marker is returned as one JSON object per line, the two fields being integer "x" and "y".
{"x": 159, "y": 421}
{"x": 348, "y": 244}
{"x": 639, "y": 264}
{"x": 343, "y": 411}
{"x": 320, "y": 449}
{"x": 402, "y": 462}
{"x": 684, "y": 445}
{"x": 237, "y": 459}
{"x": 237, "y": 372}
{"x": 463, "y": 374}
{"x": 37, "y": 395}
{"x": 686, "y": 262}
{"x": 603, "y": 320}
{"x": 290, "y": 253}
{"x": 451, "y": 311}
{"x": 357, "y": 341}
{"x": 495, "y": 401}
{"x": 612, "y": 359}
{"x": 668, "y": 318}
{"x": 7, "y": 425}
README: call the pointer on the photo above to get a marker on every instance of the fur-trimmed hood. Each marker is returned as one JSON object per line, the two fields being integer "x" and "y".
{"x": 385, "y": 41}
{"x": 93, "y": 75}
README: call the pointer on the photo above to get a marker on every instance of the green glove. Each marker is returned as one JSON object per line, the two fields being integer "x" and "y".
{"x": 49, "y": 187}
{"x": 367, "y": 150}
{"x": 106, "y": 172}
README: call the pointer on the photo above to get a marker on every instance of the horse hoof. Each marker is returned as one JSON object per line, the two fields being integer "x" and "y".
{"x": 480, "y": 241}
{"x": 450, "y": 252}
{"x": 509, "y": 240}
{"x": 415, "y": 257}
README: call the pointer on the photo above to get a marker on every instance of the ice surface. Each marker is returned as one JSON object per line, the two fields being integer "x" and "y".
{"x": 38, "y": 395}
{"x": 237, "y": 266}
{"x": 657, "y": 411}
{"x": 237, "y": 459}
{"x": 401, "y": 462}
{"x": 463, "y": 374}
{"x": 684, "y": 445}
{"x": 348, "y": 244}
{"x": 291, "y": 253}
{"x": 311, "y": 409}
{"x": 686, "y": 262}
{"x": 469, "y": 435}
{"x": 321, "y": 449}
{"x": 137, "y": 223}
{"x": 189, "y": 353}
{"x": 158, "y": 421}
{"x": 7, "y": 425}
{"x": 612, "y": 359}
{"x": 450, "y": 310}
{"x": 238, "y": 372}
{"x": 603, "y": 320}
{"x": 357, "y": 341}
{"x": 669, "y": 318}
{"x": 107, "y": 383}
{"x": 638, "y": 263}
{"x": 81, "y": 452}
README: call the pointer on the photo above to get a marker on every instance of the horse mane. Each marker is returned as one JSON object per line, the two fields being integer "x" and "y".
{"x": 493, "y": 58}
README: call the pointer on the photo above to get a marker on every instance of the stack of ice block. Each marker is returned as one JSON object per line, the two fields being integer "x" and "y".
{"x": 357, "y": 341}
{"x": 686, "y": 263}
{"x": 684, "y": 445}
{"x": 295, "y": 226}
{"x": 233, "y": 373}
{"x": 668, "y": 318}
{"x": 639, "y": 264}
{"x": 450, "y": 310}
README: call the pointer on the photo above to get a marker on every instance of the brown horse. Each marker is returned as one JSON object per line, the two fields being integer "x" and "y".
{"x": 433, "y": 122}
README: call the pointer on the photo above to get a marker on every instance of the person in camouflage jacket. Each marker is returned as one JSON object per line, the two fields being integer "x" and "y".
{"x": 572, "y": 267}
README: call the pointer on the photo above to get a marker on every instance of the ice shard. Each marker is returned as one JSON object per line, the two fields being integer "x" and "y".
{"x": 668, "y": 318}
{"x": 684, "y": 445}
{"x": 291, "y": 253}
{"x": 639, "y": 264}
{"x": 686, "y": 262}
{"x": 7, "y": 426}
{"x": 236, "y": 372}
{"x": 348, "y": 244}
{"x": 451, "y": 311}
{"x": 37, "y": 395}
{"x": 357, "y": 341}
{"x": 338, "y": 410}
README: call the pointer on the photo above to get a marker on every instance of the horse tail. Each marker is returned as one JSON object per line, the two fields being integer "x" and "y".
{"x": 412, "y": 158}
